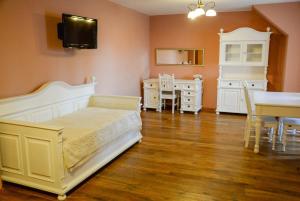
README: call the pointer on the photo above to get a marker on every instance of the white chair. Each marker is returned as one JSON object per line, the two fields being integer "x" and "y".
{"x": 267, "y": 122}
{"x": 167, "y": 91}
{"x": 288, "y": 124}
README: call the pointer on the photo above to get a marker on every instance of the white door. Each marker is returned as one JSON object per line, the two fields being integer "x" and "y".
{"x": 230, "y": 100}
{"x": 254, "y": 53}
{"x": 231, "y": 53}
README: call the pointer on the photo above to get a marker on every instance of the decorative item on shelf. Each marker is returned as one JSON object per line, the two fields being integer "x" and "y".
{"x": 197, "y": 77}
{"x": 196, "y": 10}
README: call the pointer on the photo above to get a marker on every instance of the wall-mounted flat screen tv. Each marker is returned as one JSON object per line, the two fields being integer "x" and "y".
{"x": 78, "y": 32}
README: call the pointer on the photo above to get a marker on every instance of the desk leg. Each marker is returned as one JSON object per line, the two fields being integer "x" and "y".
{"x": 257, "y": 133}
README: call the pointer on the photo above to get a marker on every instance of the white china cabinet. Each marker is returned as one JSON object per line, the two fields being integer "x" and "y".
{"x": 243, "y": 59}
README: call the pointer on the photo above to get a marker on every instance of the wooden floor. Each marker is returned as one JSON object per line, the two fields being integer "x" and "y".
{"x": 188, "y": 157}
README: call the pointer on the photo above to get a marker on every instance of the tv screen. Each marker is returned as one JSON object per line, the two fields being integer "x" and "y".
{"x": 79, "y": 32}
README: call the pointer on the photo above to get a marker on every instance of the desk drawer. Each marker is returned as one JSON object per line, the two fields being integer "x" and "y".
{"x": 188, "y": 86}
{"x": 255, "y": 84}
{"x": 230, "y": 84}
{"x": 188, "y": 100}
{"x": 188, "y": 93}
{"x": 150, "y": 85}
{"x": 188, "y": 107}
{"x": 178, "y": 86}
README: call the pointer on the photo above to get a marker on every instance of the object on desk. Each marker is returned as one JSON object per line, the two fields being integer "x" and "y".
{"x": 268, "y": 122}
{"x": 167, "y": 91}
{"x": 197, "y": 76}
{"x": 91, "y": 79}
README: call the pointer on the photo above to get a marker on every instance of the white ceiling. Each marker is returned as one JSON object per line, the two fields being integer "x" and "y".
{"x": 166, "y": 7}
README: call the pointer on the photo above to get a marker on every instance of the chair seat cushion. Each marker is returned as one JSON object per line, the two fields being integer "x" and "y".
{"x": 267, "y": 121}
{"x": 292, "y": 122}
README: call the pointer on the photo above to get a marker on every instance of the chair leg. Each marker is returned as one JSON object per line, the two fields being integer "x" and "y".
{"x": 246, "y": 129}
{"x": 271, "y": 134}
{"x": 164, "y": 104}
{"x": 159, "y": 105}
{"x": 247, "y": 133}
{"x": 280, "y": 130}
{"x": 275, "y": 133}
{"x": 284, "y": 138}
{"x": 173, "y": 106}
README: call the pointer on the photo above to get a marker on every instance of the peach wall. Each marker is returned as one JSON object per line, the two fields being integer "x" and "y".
{"x": 178, "y": 32}
{"x": 31, "y": 54}
{"x": 286, "y": 17}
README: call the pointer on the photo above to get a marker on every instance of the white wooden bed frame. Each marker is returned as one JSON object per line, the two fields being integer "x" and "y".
{"x": 31, "y": 153}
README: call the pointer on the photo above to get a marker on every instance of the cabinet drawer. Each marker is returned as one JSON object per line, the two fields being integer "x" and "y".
{"x": 150, "y": 85}
{"x": 230, "y": 84}
{"x": 188, "y": 93}
{"x": 189, "y": 86}
{"x": 177, "y": 86}
{"x": 188, "y": 107}
{"x": 255, "y": 85}
{"x": 188, "y": 100}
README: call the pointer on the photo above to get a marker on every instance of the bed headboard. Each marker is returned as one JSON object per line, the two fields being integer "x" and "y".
{"x": 53, "y": 99}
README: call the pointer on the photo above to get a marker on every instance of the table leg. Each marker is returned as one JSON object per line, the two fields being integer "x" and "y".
{"x": 257, "y": 133}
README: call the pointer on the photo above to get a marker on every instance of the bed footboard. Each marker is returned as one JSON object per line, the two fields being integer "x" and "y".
{"x": 31, "y": 155}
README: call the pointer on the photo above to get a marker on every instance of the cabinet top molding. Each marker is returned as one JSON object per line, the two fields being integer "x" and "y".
{"x": 245, "y": 33}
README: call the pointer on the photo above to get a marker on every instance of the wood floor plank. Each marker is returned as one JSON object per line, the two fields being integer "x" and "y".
{"x": 188, "y": 157}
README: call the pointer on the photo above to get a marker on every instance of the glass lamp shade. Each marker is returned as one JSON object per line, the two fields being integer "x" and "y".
{"x": 211, "y": 13}
{"x": 192, "y": 15}
{"x": 199, "y": 12}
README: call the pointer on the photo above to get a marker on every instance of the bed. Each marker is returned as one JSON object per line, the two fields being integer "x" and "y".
{"x": 57, "y": 136}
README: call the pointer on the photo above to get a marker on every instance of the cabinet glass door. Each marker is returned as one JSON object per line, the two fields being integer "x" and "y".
{"x": 254, "y": 53}
{"x": 232, "y": 53}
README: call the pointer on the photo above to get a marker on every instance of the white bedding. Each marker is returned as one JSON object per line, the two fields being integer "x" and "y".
{"x": 89, "y": 129}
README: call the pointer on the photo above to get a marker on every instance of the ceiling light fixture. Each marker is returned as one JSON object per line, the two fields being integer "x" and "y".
{"x": 196, "y": 10}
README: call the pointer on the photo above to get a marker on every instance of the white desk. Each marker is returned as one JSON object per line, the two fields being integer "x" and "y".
{"x": 277, "y": 104}
{"x": 190, "y": 94}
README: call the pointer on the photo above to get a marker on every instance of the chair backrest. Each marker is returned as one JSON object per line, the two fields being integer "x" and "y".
{"x": 247, "y": 99}
{"x": 166, "y": 82}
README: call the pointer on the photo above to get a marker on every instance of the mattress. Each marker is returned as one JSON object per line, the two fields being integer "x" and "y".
{"x": 89, "y": 129}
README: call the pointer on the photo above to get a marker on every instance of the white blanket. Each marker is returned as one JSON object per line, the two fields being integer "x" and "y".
{"x": 89, "y": 129}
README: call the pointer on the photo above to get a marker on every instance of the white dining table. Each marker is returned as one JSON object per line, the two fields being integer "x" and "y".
{"x": 276, "y": 104}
